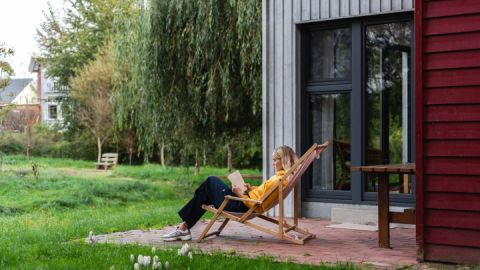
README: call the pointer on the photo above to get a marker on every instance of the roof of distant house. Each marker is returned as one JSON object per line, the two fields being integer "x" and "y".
{"x": 8, "y": 94}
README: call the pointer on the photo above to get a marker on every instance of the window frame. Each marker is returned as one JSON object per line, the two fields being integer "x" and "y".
{"x": 355, "y": 86}
{"x": 50, "y": 112}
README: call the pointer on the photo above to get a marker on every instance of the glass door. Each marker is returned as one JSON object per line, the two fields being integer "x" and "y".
{"x": 356, "y": 82}
{"x": 388, "y": 48}
{"x": 327, "y": 102}
{"x": 330, "y": 120}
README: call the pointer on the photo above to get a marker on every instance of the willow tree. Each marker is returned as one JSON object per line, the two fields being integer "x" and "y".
{"x": 130, "y": 56}
{"x": 209, "y": 67}
{"x": 192, "y": 73}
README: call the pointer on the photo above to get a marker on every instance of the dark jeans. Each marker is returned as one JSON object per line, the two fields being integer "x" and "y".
{"x": 211, "y": 191}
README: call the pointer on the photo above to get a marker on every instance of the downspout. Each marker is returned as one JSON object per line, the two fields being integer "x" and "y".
{"x": 39, "y": 90}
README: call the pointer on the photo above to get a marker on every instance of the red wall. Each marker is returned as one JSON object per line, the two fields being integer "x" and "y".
{"x": 447, "y": 70}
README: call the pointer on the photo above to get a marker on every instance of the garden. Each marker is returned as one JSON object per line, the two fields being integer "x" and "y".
{"x": 48, "y": 207}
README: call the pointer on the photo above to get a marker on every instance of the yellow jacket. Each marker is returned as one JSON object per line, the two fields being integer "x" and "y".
{"x": 259, "y": 191}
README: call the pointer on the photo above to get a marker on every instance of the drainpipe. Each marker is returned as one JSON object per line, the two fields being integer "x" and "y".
{"x": 39, "y": 90}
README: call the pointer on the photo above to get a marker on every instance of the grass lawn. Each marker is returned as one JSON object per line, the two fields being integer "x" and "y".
{"x": 42, "y": 217}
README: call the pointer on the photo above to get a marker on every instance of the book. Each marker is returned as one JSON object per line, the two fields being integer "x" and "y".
{"x": 237, "y": 181}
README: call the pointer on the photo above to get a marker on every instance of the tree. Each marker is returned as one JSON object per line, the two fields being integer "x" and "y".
{"x": 92, "y": 90}
{"x": 5, "y": 69}
{"x": 130, "y": 52}
{"x": 70, "y": 39}
{"x": 188, "y": 74}
{"x": 207, "y": 55}
{"x": 21, "y": 119}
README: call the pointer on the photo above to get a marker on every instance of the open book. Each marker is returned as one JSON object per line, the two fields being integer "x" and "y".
{"x": 237, "y": 181}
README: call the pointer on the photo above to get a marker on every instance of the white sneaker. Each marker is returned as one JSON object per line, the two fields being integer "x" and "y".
{"x": 177, "y": 234}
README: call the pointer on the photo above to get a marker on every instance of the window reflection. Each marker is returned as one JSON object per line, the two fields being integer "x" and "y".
{"x": 388, "y": 56}
{"x": 330, "y": 115}
{"x": 331, "y": 54}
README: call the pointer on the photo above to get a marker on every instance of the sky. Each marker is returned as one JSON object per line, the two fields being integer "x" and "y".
{"x": 19, "y": 20}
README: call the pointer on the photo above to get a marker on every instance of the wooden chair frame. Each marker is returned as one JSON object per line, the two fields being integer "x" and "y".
{"x": 283, "y": 227}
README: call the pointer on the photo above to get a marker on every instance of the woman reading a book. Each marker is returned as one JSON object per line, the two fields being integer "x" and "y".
{"x": 213, "y": 191}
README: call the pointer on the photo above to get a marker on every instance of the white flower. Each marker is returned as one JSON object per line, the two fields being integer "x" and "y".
{"x": 155, "y": 259}
{"x": 190, "y": 255}
{"x": 90, "y": 236}
{"x": 140, "y": 259}
{"x": 183, "y": 250}
{"x": 146, "y": 260}
{"x": 132, "y": 258}
{"x": 159, "y": 266}
{"x": 154, "y": 249}
{"x": 136, "y": 266}
{"x": 113, "y": 267}
{"x": 167, "y": 265}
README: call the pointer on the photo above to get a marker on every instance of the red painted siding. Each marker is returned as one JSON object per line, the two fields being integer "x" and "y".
{"x": 447, "y": 70}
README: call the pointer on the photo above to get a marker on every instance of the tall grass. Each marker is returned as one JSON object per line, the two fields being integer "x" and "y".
{"x": 42, "y": 218}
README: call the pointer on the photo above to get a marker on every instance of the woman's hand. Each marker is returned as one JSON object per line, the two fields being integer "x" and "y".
{"x": 237, "y": 191}
{"x": 249, "y": 187}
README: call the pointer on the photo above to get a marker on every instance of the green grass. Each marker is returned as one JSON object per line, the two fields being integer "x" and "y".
{"x": 42, "y": 218}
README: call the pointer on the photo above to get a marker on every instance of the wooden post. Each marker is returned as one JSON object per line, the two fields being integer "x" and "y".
{"x": 406, "y": 188}
{"x": 383, "y": 209}
{"x": 296, "y": 203}
{"x": 280, "y": 210}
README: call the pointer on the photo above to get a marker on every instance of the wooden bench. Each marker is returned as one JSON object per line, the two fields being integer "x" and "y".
{"x": 108, "y": 161}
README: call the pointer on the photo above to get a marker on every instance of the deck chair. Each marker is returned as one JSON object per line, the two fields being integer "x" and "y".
{"x": 284, "y": 230}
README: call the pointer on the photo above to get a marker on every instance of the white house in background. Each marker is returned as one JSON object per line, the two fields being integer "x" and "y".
{"x": 19, "y": 92}
{"x": 22, "y": 95}
{"x": 49, "y": 94}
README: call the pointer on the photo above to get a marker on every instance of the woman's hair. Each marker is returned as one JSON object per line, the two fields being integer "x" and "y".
{"x": 286, "y": 155}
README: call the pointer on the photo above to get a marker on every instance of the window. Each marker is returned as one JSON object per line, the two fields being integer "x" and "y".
{"x": 357, "y": 93}
{"x": 331, "y": 120}
{"x": 327, "y": 101}
{"x": 387, "y": 95}
{"x": 331, "y": 54}
{"x": 52, "y": 111}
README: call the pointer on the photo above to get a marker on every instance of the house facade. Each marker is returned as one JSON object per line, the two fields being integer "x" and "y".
{"x": 49, "y": 94}
{"x": 21, "y": 101}
{"x": 386, "y": 81}
{"x": 19, "y": 92}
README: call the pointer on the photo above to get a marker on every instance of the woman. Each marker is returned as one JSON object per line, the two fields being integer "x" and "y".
{"x": 214, "y": 190}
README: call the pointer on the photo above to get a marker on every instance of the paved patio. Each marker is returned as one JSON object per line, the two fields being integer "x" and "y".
{"x": 330, "y": 245}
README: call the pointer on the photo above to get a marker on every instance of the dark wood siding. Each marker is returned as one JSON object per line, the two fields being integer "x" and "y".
{"x": 448, "y": 124}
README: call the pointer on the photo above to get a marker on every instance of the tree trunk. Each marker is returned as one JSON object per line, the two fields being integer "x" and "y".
{"x": 204, "y": 157}
{"x": 29, "y": 141}
{"x": 197, "y": 168}
{"x": 130, "y": 154}
{"x": 99, "y": 149}
{"x": 229, "y": 157}
{"x": 162, "y": 155}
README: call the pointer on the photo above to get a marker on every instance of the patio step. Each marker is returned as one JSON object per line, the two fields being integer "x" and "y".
{"x": 364, "y": 216}
{"x": 360, "y": 215}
